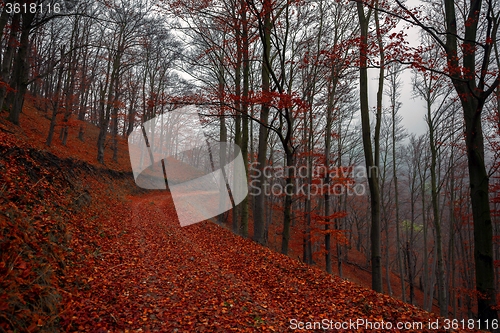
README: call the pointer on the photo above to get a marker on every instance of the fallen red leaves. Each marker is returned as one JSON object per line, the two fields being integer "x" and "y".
{"x": 32, "y": 232}
{"x": 147, "y": 273}
{"x": 76, "y": 254}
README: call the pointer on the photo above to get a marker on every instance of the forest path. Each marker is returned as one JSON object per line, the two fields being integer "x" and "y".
{"x": 147, "y": 273}
{"x": 158, "y": 276}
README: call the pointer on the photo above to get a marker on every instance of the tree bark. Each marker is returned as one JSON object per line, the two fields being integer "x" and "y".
{"x": 443, "y": 311}
{"x": 259, "y": 212}
{"x": 55, "y": 108}
{"x": 372, "y": 167}
{"x": 21, "y": 69}
{"x": 473, "y": 98}
{"x": 244, "y": 105}
{"x": 7, "y": 58}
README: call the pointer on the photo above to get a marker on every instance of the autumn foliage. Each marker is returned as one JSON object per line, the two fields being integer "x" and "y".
{"x": 83, "y": 249}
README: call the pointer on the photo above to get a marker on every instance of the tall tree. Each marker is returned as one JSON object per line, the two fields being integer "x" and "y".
{"x": 20, "y": 73}
{"x": 370, "y": 152}
{"x": 265, "y": 27}
{"x": 469, "y": 41}
{"x": 394, "y": 93}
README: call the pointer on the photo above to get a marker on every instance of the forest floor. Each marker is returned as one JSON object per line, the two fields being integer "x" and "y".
{"x": 152, "y": 275}
{"x": 83, "y": 249}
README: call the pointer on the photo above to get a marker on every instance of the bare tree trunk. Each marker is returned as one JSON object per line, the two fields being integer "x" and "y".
{"x": 237, "y": 102}
{"x": 437, "y": 223}
{"x": 105, "y": 108}
{"x": 4, "y": 18}
{"x": 425, "y": 274}
{"x": 394, "y": 108}
{"x": 8, "y": 55}
{"x": 84, "y": 90}
{"x": 21, "y": 69}
{"x": 55, "y": 108}
{"x": 370, "y": 161}
{"x": 473, "y": 98}
{"x": 246, "y": 88}
{"x": 70, "y": 82}
{"x": 308, "y": 255}
{"x": 287, "y": 212}
{"x": 222, "y": 134}
{"x": 328, "y": 140}
{"x": 260, "y": 199}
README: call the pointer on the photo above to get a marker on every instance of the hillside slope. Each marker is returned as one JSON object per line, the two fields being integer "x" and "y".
{"x": 83, "y": 249}
{"x": 151, "y": 274}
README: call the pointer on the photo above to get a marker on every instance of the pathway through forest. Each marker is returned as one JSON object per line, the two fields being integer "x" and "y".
{"x": 153, "y": 275}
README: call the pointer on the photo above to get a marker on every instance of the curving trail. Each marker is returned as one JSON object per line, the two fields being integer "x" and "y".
{"x": 149, "y": 274}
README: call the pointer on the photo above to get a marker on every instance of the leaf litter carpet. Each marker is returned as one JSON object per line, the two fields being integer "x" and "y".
{"x": 146, "y": 273}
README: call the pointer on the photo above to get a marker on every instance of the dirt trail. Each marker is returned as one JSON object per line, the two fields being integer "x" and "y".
{"x": 156, "y": 276}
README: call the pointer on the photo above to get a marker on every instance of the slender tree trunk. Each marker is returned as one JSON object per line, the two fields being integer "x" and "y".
{"x": 84, "y": 92}
{"x": 425, "y": 274}
{"x": 287, "y": 214}
{"x": 437, "y": 223}
{"x": 396, "y": 202}
{"x": 372, "y": 167}
{"x": 338, "y": 227}
{"x": 328, "y": 142}
{"x": 387, "y": 260}
{"x": 246, "y": 88}
{"x": 114, "y": 119}
{"x": 222, "y": 136}
{"x": 105, "y": 109}
{"x": 259, "y": 216}
{"x": 451, "y": 206}
{"x": 237, "y": 103}
{"x": 308, "y": 255}
{"x": 70, "y": 82}
{"x": 55, "y": 109}
{"x": 131, "y": 114}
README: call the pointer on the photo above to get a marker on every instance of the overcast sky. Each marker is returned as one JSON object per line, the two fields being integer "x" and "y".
{"x": 412, "y": 109}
